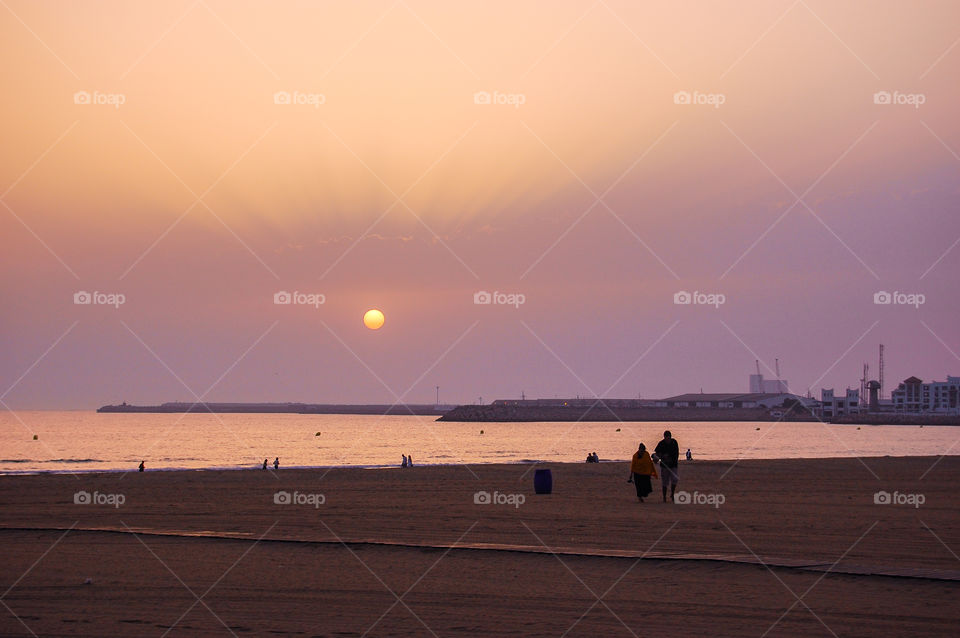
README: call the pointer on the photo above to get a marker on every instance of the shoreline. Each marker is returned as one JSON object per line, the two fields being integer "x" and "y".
{"x": 256, "y": 468}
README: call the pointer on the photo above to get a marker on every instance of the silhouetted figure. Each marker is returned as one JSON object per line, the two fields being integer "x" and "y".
{"x": 641, "y": 469}
{"x": 689, "y": 456}
{"x": 276, "y": 463}
{"x": 264, "y": 463}
{"x": 668, "y": 451}
{"x": 404, "y": 464}
{"x": 409, "y": 461}
{"x": 141, "y": 467}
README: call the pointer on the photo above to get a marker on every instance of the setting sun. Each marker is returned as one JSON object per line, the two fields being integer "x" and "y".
{"x": 373, "y": 319}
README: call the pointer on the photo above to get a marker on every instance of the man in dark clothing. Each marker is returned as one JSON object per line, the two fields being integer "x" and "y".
{"x": 668, "y": 451}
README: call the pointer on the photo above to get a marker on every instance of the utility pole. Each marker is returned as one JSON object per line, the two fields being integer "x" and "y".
{"x": 880, "y": 380}
{"x": 863, "y": 380}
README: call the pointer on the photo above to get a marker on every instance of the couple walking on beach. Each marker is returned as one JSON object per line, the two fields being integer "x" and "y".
{"x": 643, "y": 467}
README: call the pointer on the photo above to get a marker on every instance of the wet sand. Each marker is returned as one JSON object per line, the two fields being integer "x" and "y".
{"x": 796, "y": 547}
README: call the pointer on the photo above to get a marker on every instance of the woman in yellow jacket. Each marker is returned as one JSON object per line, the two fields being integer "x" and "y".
{"x": 641, "y": 469}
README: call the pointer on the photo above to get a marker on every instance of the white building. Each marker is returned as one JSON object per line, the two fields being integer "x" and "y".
{"x": 832, "y": 406}
{"x": 915, "y": 396}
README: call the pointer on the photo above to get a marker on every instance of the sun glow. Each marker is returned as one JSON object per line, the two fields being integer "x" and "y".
{"x": 373, "y": 319}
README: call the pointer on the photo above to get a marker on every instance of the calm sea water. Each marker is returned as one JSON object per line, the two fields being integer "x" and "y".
{"x": 87, "y": 441}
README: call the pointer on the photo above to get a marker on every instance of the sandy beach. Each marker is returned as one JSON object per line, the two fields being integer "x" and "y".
{"x": 777, "y": 548}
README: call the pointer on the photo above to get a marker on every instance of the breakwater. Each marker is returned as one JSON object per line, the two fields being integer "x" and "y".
{"x": 281, "y": 408}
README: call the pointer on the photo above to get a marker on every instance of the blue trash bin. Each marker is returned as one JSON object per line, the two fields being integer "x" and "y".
{"x": 543, "y": 481}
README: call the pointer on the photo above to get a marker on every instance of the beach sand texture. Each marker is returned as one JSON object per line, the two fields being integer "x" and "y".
{"x": 797, "y": 548}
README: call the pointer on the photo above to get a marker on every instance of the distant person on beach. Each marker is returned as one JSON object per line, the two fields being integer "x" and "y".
{"x": 264, "y": 463}
{"x": 596, "y": 457}
{"x": 409, "y": 461}
{"x": 641, "y": 469}
{"x": 668, "y": 452}
{"x": 689, "y": 456}
{"x": 276, "y": 463}
{"x": 404, "y": 464}
{"x": 141, "y": 467}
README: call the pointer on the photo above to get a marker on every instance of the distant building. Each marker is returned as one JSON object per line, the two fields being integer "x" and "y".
{"x": 691, "y": 400}
{"x": 915, "y": 396}
{"x": 731, "y": 400}
{"x": 832, "y": 406}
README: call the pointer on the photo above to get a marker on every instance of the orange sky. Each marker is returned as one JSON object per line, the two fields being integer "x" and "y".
{"x": 199, "y": 196}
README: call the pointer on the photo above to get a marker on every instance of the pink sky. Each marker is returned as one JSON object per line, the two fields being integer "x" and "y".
{"x": 793, "y": 190}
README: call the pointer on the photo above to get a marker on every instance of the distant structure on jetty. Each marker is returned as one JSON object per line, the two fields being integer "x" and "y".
{"x": 912, "y": 403}
{"x": 692, "y": 400}
{"x": 730, "y": 406}
{"x": 777, "y": 404}
{"x": 282, "y": 408}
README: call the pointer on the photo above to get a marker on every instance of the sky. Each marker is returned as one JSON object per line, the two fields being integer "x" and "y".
{"x": 787, "y": 167}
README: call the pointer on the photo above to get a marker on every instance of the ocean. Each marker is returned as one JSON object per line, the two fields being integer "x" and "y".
{"x": 82, "y": 441}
